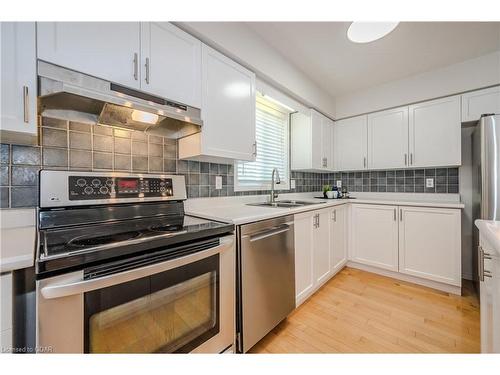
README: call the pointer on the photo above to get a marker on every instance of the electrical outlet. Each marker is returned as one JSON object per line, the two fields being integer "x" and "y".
{"x": 218, "y": 182}
{"x": 429, "y": 182}
{"x": 292, "y": 184}
{"x": 339, "y": 184}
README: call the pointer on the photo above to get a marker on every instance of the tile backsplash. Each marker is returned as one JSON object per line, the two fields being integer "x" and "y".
{"x": 72, "y": 145}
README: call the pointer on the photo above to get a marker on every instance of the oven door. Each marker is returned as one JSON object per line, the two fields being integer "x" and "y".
{"x": 180, "y": 305}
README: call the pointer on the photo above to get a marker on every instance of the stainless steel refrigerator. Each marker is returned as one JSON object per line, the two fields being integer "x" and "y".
{"x": 486, "y": 176}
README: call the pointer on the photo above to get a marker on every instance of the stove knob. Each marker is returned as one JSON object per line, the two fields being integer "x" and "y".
{"x": 162, "y": 189}
{"x": 109, "y": 182}
{"x": 81, "y": 182}
{"x": 96, "y": 182}
{"x": 88, "y": 190}
{"x": 103, "y": 190}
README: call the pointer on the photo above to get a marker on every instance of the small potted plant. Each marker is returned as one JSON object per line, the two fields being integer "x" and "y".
{"x": 327, "y": 191}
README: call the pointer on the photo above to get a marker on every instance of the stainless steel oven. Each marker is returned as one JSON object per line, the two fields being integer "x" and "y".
{"x": 182, "y": 305}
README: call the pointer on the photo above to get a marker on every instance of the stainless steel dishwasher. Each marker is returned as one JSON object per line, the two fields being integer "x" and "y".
{"x": 266, "y": 275}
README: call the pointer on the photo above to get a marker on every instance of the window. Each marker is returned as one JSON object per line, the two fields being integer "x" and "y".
{"x": 272, "y": 135}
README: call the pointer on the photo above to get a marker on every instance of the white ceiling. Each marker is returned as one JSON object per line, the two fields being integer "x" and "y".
{"x": 323, "y": 52}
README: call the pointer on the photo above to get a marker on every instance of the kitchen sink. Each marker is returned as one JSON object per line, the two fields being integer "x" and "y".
{"x": 284, "y": 204}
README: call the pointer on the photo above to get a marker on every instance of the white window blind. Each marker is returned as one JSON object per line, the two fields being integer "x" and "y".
{"x": 272, "y": 136}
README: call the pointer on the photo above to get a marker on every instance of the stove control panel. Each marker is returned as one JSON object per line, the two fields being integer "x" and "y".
{"x": 96, "y": 187}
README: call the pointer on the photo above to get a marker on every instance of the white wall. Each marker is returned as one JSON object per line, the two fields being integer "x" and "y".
{"x": 239, "y": 42}
{"x": 467, "y": 75}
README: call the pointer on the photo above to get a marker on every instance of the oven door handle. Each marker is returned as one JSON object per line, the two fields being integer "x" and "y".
{"x": 64, "y": 289}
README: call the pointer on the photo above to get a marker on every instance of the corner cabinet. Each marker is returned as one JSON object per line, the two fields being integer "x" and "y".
{"x": 311, "y": 142}
{"x": 350, "y": 136}
{"x": 388, "y": 139}
{"x": 107, "y": 50}
{"x": 320, "y": 248}
{"x": 480, "y": 102}
{"x": 18, "y": 113}
{"x": 435, "y": 133}
{"x": 374, "y": 236}
{"x": 429, "y": 244}
{"x": 227, "y": 110}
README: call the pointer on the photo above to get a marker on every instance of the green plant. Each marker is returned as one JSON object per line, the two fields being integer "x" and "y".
{"x": 326, "y": 188}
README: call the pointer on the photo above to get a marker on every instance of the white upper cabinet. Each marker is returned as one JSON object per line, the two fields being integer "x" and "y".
{"x": 477, "y": 103}
{"x": 18, "y": 82}
{"x": 171, "y": 63}
{"x": 312, "y": 148}
{"x": 338, "y": 238}
{"x": 429, "y": 244}
{"x": 388, "y": 139}
{"x": 435, "y": 133}
{"x": 228, "y": 112}
{"x": 374, "y": 236}
{"x": 107, "y": 50}
{"x": 350, "y": 148}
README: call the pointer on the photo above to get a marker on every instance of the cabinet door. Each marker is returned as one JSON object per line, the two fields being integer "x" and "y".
{"x": 18, "y": 83}
{"x": 107, "y": 50}
{"x": 321, "y": 246}
{"x": 338, "y": 238}
{"x": 327, "y": 146}
{"x": 304, "y": 281}
{"x": 435, "y": 133}
{"x": 388, "y": 139}
{"x": 171, "y": 63}
{"x": 477, "y": 103}
{"x": 429, "y": 244}
{"x": 228, "y": 107}
{"x": 317, "y": 140}
{"x": 350, "y": 144}
{"x": 375, "y": 236}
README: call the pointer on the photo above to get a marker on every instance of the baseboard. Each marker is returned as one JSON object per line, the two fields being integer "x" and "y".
{"x": 412, "y": 279}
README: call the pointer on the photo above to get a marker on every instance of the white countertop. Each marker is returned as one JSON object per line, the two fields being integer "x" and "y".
{"x": 235, "y": 209}
{"x": 17, "y": 238}
{"x": 490, "y": 230}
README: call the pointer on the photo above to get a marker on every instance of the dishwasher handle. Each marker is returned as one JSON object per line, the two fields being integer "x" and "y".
{"x": 269, "y": 232}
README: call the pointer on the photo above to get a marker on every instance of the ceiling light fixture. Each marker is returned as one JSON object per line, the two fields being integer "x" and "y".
{"x": 366, "y": 32}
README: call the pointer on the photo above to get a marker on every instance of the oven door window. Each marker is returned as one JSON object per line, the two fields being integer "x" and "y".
{"x": 170, "y": 312}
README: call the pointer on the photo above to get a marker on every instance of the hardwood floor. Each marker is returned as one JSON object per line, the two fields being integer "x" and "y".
{"x": 361, "y": 312}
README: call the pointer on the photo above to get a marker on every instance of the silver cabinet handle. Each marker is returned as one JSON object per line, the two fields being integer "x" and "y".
{"x": 268, "y": 233}
{"x": 70, "y": 288}
{"x": 411, "y": 158}
{"x": 400, "y": 214}
{"x": 335, "y": 215}
{"x": 364, "y": 162}
{"x": 395, "y": 213}
{"x": 318, "y": 219}
{"x": 26, "y": 105}
{"x": 136, "y": 66}
{"x": 482, "y": 273}
{"x": 406, "y": 159}
{"x": 147, "y": 70}
{"x": 255, "y": 149}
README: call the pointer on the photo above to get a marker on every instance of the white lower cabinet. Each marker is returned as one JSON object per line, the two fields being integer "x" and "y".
{"x": 304, "y": 281}
{"x": 374, "y": 235}
{"x": 338, "y": 238}
{"x": 6, "y": 312}
{"x": 320, "y": 248}
{"x": 429, "y": 244}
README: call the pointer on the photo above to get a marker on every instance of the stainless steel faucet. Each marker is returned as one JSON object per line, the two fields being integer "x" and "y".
{"x": 278, "y": 181}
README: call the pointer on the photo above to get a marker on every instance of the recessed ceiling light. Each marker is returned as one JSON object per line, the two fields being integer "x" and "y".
{"x": 365, "y": 32}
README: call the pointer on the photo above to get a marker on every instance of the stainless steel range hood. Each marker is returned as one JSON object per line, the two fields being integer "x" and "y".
{"x": 75, "y": 96}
